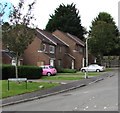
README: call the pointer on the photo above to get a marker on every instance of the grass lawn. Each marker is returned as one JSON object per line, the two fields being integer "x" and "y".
{"x": 61, "y": 78}
{"x": 109, "y": 69}
{"x": 16, "y": 89}
{"x": 91, "y": 74}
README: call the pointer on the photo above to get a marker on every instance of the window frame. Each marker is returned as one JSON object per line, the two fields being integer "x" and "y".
{"x": 53, "y": 49}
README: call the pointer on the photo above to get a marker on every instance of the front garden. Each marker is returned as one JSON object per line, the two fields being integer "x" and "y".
{"x": 20, "y": 88}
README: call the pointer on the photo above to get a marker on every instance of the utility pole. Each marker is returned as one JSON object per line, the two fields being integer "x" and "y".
{"x": 86, "y": 43}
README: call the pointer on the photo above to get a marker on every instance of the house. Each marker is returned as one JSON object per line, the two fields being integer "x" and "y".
{"x": 46, "y": 49}
{"x": 75, "y": 51}
{"x": 7, "y": 56}
{"x": 56, "y": 49}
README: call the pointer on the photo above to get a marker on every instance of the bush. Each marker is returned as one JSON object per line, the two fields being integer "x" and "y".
{"x": 65, "y": 70}
{"x": 59, "y": 69}
{"x": 69, "y": 71}
{"x": 8, "y": 71}
{"x": 29, "y": 72}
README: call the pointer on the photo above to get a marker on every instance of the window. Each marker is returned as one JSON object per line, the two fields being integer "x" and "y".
{"x": 59, "y": 62}
{"x": 52, "y": 49}
{"x": 43, "y": 67}
{"x": 60, "y": 49}
{"x": 81, "y": 50}
{"x": 44, "y": 47}
{"x": 51, "y": 67}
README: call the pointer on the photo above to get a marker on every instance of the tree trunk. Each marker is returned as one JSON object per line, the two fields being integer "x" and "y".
{"x": 16, "y": 66}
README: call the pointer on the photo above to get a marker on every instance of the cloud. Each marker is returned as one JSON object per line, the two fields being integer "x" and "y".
{"x": 88, "y": 9}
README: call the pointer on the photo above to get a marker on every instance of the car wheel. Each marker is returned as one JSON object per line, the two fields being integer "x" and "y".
{"x": 97, "y": 70}
{"x": 48, "y": 74}
{"x": 83, "y": 70}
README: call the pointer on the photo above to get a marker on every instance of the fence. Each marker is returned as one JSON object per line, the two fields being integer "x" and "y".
{"x": 111, "y": 61}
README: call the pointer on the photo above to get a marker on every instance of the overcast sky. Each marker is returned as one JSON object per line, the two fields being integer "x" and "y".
{"x": 88, "y": 9}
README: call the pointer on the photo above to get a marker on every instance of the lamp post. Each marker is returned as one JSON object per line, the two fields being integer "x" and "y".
{"x": 86, "y": 43}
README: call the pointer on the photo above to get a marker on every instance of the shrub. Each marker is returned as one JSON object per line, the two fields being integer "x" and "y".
{"x": 59, "y": 69}
{"x": 65, "y": 70}
{"x": 69, "y": 71}
{"x": 29, "y": 72}
{"x": 8, "y": 71}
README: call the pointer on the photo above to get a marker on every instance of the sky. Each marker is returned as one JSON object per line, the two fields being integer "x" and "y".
{"x": 88, "y": 9}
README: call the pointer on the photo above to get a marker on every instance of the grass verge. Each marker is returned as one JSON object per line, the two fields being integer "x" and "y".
{"x": 90, "y": 74}
{"x": 109, "y": 69}
{"x": 17, "y": 89}
{"x": 61, "y": 78}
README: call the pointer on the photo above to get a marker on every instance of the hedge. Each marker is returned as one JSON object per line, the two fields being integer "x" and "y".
{"x": 29, "y": 72}
{"x": 65, "y": 70}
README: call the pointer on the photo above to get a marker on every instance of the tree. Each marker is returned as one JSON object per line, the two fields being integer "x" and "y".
{"x": 18, "y": 35}
{"x": 104, "y": 35}
{"x": 66, "y": 19}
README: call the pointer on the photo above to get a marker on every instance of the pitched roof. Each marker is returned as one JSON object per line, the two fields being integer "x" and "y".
{"x": 74, "y": 38}
{"x": 71, "y": 56}
{"x": 44, "y": 38}
{"x": 52, "y": 38}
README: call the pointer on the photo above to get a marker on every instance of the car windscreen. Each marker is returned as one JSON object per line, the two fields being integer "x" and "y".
{"x": 51, "y": 67}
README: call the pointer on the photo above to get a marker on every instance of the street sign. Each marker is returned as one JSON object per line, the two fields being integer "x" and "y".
{"x": 17, "y": 79}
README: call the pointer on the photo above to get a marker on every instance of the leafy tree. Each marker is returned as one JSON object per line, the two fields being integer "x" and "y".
{"x": 66, "y": 19}
{"x": 18, "y": 35}
{"x": 104, "y": 35}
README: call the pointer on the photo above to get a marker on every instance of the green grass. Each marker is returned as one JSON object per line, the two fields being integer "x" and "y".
{"x": 17, "y": 89}
{"x": 61, "y": 78}
{"x": 109, "y": 69}
{"x": 91, "y": 74}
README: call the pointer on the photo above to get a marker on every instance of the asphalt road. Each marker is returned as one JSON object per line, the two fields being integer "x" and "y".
{"x": 100, "y": 96}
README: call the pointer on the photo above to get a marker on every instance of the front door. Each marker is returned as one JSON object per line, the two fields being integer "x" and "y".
{"x": 52, "y": 62}
{"x": 83, "y": 62}
{"x": 73, "y": 64}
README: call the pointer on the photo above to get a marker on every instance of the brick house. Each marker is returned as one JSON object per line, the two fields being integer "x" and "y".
{"x": 57, "y": 49}
{"x": 76, "y": 48}
{"x": 46, "y": 49}
{"x": 7, "y": 56}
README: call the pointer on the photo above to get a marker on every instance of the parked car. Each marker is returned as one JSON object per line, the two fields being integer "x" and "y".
{"x": 48, "y": 70}
{"x": 93, "y": 68}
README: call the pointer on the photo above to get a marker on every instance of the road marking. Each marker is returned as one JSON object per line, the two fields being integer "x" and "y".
{"x": 84, "y": 109}
{"x": 76, "y": 108}
{"x": 105, "y": 107}
{"x": 85, "y": 92}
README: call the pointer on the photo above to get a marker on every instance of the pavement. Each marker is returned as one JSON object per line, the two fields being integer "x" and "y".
{"x": 66, "y": 85}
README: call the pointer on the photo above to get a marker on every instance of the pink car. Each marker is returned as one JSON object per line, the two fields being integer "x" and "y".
{"x": 48, "y": 70}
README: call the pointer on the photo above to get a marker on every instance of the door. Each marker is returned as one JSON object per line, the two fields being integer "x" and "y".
{"x": 83, "y": 62}
{"x": 52, "y": 62}
{"x": 73, "y": 64}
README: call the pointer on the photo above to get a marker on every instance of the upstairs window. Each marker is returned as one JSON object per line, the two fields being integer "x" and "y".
{"x": 60, "y": 49}
{"x": 81, "y": 50}
{"x": 59, "y": 62}
{"x": 52, "y": 49}
{"x": 44, "y": 47}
